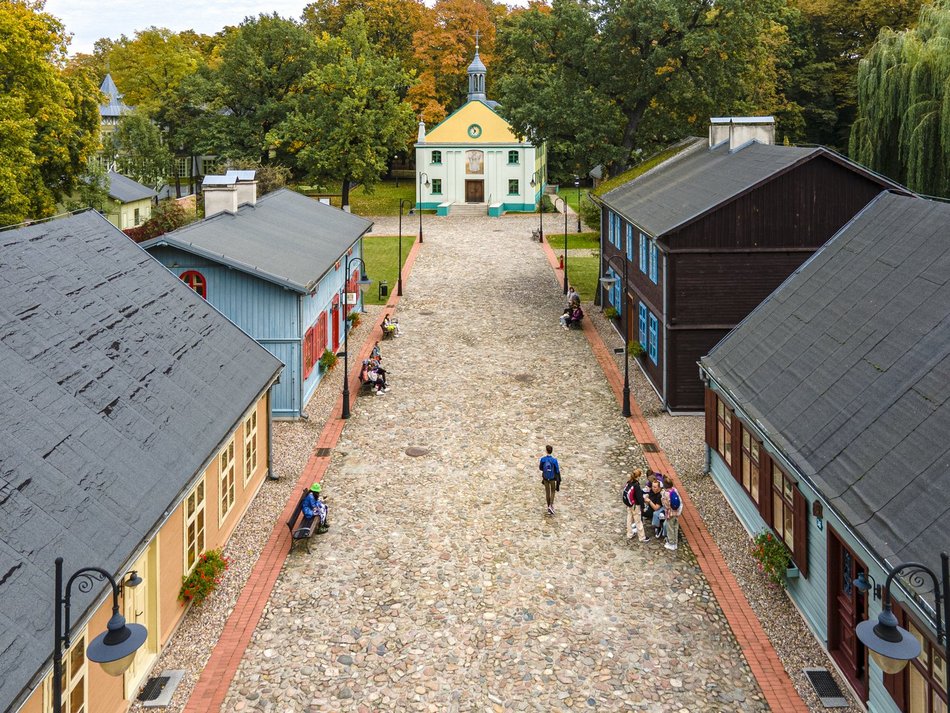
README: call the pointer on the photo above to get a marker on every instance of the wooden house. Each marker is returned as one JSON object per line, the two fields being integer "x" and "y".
{"x": 134, "y": 434}
{"x": 709, "y": 233}
{"x": 130, "y": 203}
{"x": 275, "y": 267}
{"x": 827, "y": 415}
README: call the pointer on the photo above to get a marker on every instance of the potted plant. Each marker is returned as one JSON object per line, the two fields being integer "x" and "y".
{"x": 773, "y": 557}
{"x": 204, "y": 578}
{"x": 327, "y": 360}
{"x": 610, "y": 313}
{"x": 354, "y": 319}
{"x": 635, "y": 349}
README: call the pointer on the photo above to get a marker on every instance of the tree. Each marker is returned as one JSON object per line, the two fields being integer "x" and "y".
{"x": 139, "y": 150}
{"x": 262, "y": 64}
{"x": 349, "y": 116}
{"x": 49, "y": 119}
{"x": 269, "y": 177}
{"x": 604, "y": 80}
{"x": 903, "y": 125}
{"x": 150, "y": 67}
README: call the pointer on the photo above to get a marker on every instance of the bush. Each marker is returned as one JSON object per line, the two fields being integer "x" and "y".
{"x": 590, "y": 213}
{"x": 772, "y": 555}
{"x": 354, "y": 319}
{"x": 635, "y": 349}
{"x": 166, "y": 217}
{"x": 547, "y": 205}
{"x": 204, "y": 578}
{"x": 327, "y": 360}
{"x": 610, "y": 313}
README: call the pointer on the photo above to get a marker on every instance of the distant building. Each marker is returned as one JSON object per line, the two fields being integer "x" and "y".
{"x": 709, "y": 233}
{"x": 275, "y": 267}
{"x": 827, "y": 416}
{"x": 114, "y": 107}
{"x": 130, "y": 203}
{"x": 473, "y": 163}
{"x": 134, "y": 434}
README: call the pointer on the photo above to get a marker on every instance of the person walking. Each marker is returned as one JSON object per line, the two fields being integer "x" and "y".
{"x": 633, "y": 499}
{"x": 550, "y": 476}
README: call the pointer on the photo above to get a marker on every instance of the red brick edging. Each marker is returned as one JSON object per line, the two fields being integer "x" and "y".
{"x": 765, "y": 664}
{"x": 215, "y": 680}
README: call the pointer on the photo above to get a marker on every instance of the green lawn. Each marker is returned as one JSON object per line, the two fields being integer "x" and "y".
{"x": 575, "y": 241}
{"x": 384, "y": 200}
{"x": 582, "y": 274}
{"x": 569, "y": 193}
{"x": 379, "y": 253}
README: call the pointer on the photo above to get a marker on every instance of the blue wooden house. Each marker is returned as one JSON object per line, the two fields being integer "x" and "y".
{"x": 827, "y": 424}
{"x": 275, "y": 267}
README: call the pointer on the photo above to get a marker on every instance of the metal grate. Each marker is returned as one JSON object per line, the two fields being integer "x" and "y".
{"x": 649, "y": 448}
{"x": 153, "y": 688}
{"x": 826, "y": 687}
{"x": 321, "y": 452}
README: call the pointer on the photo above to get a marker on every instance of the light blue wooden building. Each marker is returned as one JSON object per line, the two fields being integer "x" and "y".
{"x": 827, "y": 423}
{"x": 275, "y": 267}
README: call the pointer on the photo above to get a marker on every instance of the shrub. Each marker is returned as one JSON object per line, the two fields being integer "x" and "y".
{"x": 772, "y": 555}
{"x": 635, "y": 349}
{"x": 610, "y": 313}
{"x": 327, "y": 360}
{"x": 204, "y": 578}
{"x": 166, "y": 217}
{"x": 354, "y": 319}
{"x": 590, "y": 213}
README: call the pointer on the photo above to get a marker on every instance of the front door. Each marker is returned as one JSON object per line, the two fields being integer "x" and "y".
{"x": 335, "y": 318}
{"x": 474, "y": 191}
{"x": 140, "y": 607}
{"x": 847, "y": 606}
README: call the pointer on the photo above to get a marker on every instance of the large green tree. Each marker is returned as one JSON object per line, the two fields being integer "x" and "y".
{"x": 903, "y": 125}
{"x": 149, "y": 68}
{"x": 139, "y": 150}
{"x": 49, "y": 118}
{"x": 603, "y": 80}
{"x": 349, "y": 116}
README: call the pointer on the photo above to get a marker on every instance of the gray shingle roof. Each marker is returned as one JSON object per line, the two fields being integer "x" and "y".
{"x": 696, "y": 181}
{"x": 285, "y": 238}
{"x": 117, "y": 382}
{"x": 114, "y": 106}
{"x": 124, "y": 189}
{"x": 847, "y": 368}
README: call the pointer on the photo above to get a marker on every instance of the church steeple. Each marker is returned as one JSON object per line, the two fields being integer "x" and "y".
{"x": 476, "y": 76}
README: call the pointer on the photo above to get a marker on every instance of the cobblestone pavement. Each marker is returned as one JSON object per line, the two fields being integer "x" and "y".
{"x": 442, "y": 585}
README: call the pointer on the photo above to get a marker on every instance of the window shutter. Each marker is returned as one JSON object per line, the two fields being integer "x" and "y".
{"x": 765, "y": 486}
{"x": 736, "y": 448}
{"x": 801, "y": 532}
{"x": 711, "y": 418}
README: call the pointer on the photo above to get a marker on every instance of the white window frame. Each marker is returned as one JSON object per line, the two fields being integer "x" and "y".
{"x": 226, "y": 485}
{"x": 250, "y": 441}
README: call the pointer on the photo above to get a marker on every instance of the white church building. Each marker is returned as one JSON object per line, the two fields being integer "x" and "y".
{"x": 473, "y": 158}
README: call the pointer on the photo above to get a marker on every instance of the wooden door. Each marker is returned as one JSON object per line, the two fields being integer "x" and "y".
{"x": 336, "y": 329}
{"x": 847, "y": 606}
{"x": 474, "y": 191}
{"x": 139, "y": 607}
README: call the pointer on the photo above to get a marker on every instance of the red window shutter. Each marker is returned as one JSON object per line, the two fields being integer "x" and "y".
{"x": 800, "y": 556}
{"x": 321, "y": 337}
{"x": 711, "y": 418}
{"x": 308, "y": 353}
{"x": 765, "y": 486}
{"x": 736, "y": 448}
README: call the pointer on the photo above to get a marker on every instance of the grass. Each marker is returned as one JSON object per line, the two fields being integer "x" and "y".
{"x": 575, "y": 241}
{"x": 641, "y": 167}
{"x": 582, "y": 274}
{"x": 569, "y": 194}
{"x": 384, "y": 200}
{"x": 379, "y": 253}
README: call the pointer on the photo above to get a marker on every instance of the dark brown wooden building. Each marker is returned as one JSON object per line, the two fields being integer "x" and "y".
{"x": 711, "y": 232}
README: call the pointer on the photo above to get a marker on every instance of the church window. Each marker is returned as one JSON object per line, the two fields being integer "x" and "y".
{"x": 513, "y": 158}
{"x": 436, "y": 186}
{"x": 513, "y": 187}
{"x": 436, "y": 157}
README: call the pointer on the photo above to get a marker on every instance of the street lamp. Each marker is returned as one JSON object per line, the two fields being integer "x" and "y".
{"x": 608, "y": 283}
{"x": 577, "y": 185}
{"x": 114, "y": 649}
{"x": 564, "y": 206}
{"x": 892, "y": 646}
{"x": 402, "y": 202}
{"x": 363, "y": 284}
{"x": 421, "y": 174}
{"x": 535, "y": 180}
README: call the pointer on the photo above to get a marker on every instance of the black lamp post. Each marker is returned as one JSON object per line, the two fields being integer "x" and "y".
{"x": 421, "y": 174}
{"x": 114, "y": 649}
{"x": 577, "y": 185}
{"x": 402, "y": 202}
{"x": 535, "y": 180}
{"x": 608, "y": 282}
{"x": 564, "y": 206}
{"x": 892, "y": 646}
{"x": 363, "y": 284}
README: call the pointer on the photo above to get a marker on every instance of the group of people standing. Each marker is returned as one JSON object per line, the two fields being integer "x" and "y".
{"x": 660, "y": 503}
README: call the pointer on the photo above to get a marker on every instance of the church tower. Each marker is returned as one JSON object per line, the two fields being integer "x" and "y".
{"x": 476, "y": 76}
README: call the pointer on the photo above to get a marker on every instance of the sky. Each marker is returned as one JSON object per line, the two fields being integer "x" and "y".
{"x": 88, "y": 20}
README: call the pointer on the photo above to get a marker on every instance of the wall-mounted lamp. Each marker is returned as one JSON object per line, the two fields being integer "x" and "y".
{"x": 865, "y": 583}
{"x": 133, "y": 580}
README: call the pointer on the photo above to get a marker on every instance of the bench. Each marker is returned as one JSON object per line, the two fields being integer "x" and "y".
{"x": 299, "y": 531}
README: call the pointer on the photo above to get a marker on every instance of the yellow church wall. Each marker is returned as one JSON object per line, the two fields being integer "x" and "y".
{"x": 454, "y": 129}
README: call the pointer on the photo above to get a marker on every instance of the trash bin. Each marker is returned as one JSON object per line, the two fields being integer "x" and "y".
{"x": 383, "y": 289}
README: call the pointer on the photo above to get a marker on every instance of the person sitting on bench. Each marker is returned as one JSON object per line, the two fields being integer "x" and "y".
{"x": 572, "y": 317}
{"x": 314, "y": 507}
{"x": 390, "y": 327}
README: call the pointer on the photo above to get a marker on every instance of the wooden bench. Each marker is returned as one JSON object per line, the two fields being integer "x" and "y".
{"x": 299, "y": 531}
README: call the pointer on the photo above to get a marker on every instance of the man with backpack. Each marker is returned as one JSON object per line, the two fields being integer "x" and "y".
{"x": 632, "y": 496}
{"x": 673, "y": 518}
{"x": 550, "y": 477}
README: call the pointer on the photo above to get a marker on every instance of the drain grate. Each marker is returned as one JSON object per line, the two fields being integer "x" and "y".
{"x": 826, "y": 688}
{"x": 321, "y": 452}
{"x": 153, "y": 689}
{"x": 649, "y": 448}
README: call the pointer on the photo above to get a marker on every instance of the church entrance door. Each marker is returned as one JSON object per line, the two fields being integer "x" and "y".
{"x": 474, "y": 191}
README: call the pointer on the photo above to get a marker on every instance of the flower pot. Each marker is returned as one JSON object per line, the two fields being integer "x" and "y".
{"x": 791, "y": 572}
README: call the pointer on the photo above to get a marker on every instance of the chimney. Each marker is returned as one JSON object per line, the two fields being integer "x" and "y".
{"x": 421, "y": 138}
{"x": 246, "y": 183}
{"x": 221, "y": 195}
{"x": 741, "y": 130}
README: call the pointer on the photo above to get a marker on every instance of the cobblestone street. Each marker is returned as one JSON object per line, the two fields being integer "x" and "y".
{"x": 442, "y": 585}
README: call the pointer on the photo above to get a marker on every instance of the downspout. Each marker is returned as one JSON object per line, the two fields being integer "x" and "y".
{"x": 271, "y": 475}
{"x": 666, "y": 297}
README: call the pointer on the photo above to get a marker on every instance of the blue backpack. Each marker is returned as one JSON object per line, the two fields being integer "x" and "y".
{"x": 548, "y": 472}
{"x": 675, "y": 501}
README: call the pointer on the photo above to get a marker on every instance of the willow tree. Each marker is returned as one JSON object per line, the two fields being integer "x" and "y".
{"x": 903, "y": 125}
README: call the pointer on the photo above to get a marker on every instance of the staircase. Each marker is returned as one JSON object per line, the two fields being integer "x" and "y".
{"x": 468, "y": 210}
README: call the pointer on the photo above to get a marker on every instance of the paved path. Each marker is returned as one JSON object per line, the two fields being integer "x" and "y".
{"x": 442, "y": 585}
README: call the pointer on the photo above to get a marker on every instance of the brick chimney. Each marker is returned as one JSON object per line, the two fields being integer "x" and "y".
{"x": 741, "y": 130}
